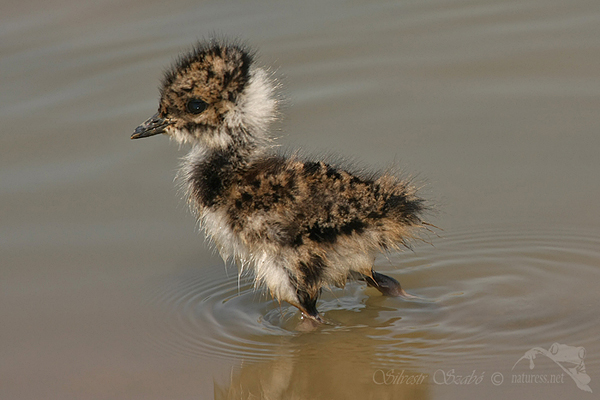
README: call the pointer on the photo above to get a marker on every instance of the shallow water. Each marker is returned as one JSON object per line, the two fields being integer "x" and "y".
{"x": 109, "y": 292}
{"x": 506, "y": 289}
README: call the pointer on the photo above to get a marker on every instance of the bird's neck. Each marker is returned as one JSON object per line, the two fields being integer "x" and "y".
{"x": 238, "y": 146}
{"x": 207, "y": 173}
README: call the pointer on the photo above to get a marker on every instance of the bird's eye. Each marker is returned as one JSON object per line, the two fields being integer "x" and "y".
{"x": 196, "y": 106}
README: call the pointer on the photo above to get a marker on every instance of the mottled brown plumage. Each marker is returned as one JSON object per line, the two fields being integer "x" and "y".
{"x": 301, "y": 224}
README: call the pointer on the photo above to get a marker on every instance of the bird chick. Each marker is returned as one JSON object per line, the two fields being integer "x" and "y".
{"x": 301, "y": 224}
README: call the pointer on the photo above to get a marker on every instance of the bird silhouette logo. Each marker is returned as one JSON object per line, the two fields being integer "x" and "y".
{"x": 568, "y": 358}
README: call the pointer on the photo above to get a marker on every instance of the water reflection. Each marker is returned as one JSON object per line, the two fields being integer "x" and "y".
{"x": 482, "y": 301}
{"x": 344, "y": 365}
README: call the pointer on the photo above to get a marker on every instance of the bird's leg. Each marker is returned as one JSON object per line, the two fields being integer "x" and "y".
{"x": 308, "y": 305}
{"x": 388, "y": 286}
{"x": 306, "y": 280}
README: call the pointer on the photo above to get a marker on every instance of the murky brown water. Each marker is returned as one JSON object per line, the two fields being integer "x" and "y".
{"x": 107, "y": 290}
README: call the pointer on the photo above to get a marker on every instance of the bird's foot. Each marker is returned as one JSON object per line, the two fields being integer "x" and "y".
{"x": 387, "y": 285}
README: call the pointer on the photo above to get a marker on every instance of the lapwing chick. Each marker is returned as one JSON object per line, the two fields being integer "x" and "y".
{"x": 301, "y": 224}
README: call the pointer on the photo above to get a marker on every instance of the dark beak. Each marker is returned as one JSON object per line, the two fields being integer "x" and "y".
{"x": 153, "y": 126}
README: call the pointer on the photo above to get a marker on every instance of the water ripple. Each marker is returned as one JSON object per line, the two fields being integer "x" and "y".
{"x": 479, "y": 290}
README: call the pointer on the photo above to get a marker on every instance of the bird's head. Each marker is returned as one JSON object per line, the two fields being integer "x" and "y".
{"x": 214, "y": 97}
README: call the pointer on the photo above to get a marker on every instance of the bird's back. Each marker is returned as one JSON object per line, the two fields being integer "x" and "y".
{"x": 293, "y": 203}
